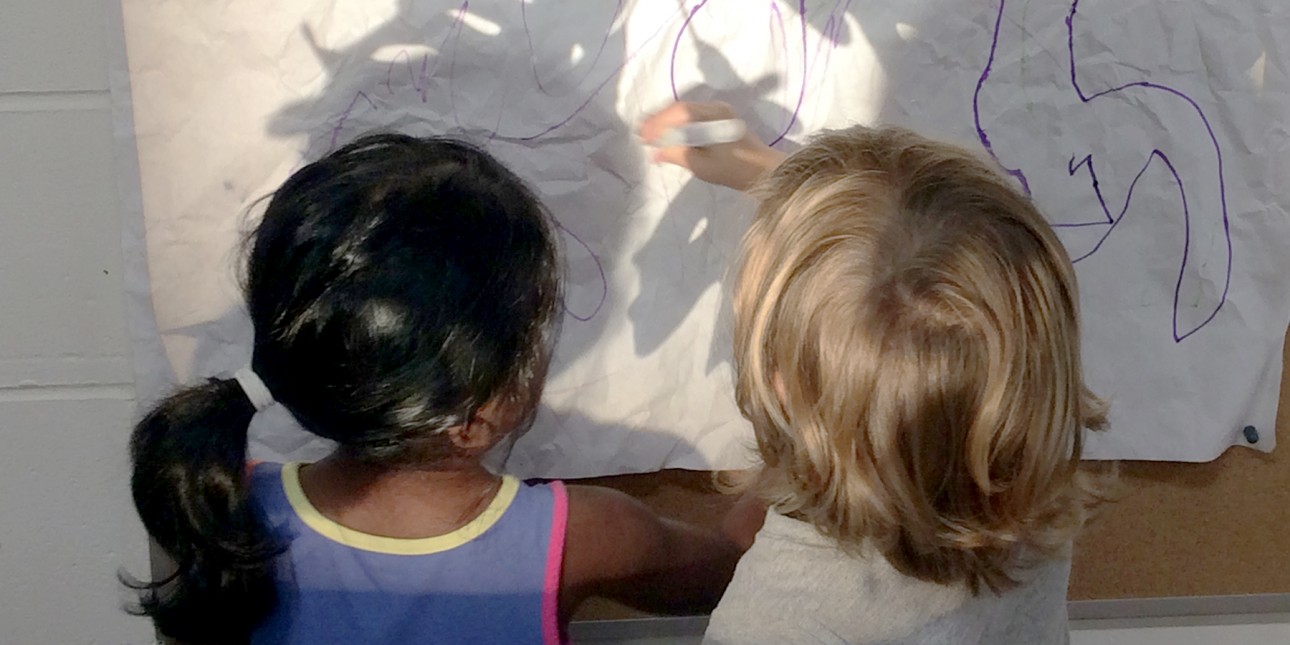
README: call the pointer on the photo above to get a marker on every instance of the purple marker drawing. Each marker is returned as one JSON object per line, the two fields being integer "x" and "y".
{"x": 454, "y": 32}
{"x": 801, "y": 93}
{"x": 419, "y": 80}
{"x": 528, "y": 36}
{"x": 1109, "y": 217}
{"x": 612, "y": 76}
{"x": 406, "y": 59}
{"x": 600, "y": 267}
{"x": 779, "y": 39}
{"x": 830, "y": 35}
{"x": 344, "y": 116}
{"x": 676, "y": 46}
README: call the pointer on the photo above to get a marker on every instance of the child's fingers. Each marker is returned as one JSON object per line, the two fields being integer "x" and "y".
{"x": 678, "y": 155}
{"x": 669, "y": 117}
{"x": 681, "y": 113}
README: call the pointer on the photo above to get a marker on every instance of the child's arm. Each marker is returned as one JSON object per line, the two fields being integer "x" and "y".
{"x": 737, "y": 165}
{"x": 616, "y": 547}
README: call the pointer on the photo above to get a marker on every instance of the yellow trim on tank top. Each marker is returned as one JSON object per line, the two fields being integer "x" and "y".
{"x": 394, "y": 546}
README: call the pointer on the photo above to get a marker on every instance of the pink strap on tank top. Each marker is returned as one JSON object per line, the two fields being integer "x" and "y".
{"x": 554, "y": 561}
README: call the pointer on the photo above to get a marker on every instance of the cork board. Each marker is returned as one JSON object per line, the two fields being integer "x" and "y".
{"x": 1178, "y": 529}
{"x": 1194, "y": 529}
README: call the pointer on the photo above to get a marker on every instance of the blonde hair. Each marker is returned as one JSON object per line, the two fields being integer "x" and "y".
{"x": 907, "y": 349}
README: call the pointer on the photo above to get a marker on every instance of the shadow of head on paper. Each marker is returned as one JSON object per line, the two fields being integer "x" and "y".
{"x": 513, "y": 79}
{"x": 542, "y": 86}
{"x": 692, "y": 247}
{"x": 688, "y": 255}
{"x": 509, "y": 78}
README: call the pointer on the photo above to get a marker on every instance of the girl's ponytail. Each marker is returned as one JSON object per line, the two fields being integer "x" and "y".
{"x": 190, "y": 486}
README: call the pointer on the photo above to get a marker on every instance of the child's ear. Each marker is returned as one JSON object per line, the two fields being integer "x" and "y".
{"x": 481, "y": 431}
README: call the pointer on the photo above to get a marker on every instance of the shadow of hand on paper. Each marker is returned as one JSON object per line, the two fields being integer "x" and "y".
{"x": 694, "y": 244}
{"x": 514, "y": 78}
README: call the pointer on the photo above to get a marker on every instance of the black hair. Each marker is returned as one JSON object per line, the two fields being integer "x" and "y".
{"x": 396, "y": 286}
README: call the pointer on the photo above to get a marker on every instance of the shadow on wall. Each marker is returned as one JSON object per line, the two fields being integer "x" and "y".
{"x": 543, "y": 98}
{"x": 512, "y": 78}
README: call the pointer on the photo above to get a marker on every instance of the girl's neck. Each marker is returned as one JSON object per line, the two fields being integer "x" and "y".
{"x": 398, "y": 502}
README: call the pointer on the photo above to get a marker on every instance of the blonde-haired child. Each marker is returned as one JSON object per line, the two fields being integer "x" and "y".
{"x": 907, "y": 350}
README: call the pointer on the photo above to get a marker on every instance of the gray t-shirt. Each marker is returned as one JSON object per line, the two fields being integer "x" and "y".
{"x": 796, "y": 586}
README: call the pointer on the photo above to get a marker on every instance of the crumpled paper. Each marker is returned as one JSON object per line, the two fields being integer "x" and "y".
{"x": 1153, "y": 139}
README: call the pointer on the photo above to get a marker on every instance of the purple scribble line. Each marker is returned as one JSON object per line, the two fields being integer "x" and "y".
{"x": 425, "y": 76}
{"x": 604, "y": 42}
{"x": 418, "y": 81}
{"x": 1222, "y": 184}
{"x": 976, "y": 106}
{"x": 777, "y": 22}
{"x": 1087, "y": 162}
{"x": 842, "y": 15}
{"x": 837, "y": 18}
{"x": 777, "y": 27}
{"x": 604, "y": 280}
{"x": 1157, "y": 154}
{"x": 528, "y": 35}
{"x": 676, "y": 46}
{"x": 582, "y": 106}
{"x": 826, "y": 36}
{"x": 454, "y": 32}
{"x": 344, "y": 116}
{"x": 1112, "y": 222}
{"x": 801, "y": 94}
{"x": 421, "y": 81}
{"x": 389, "y": 71}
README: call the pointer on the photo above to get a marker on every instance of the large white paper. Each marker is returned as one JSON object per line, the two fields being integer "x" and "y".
{"x": 1152, "y": 134}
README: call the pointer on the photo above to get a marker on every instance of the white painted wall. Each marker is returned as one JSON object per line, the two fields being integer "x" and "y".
{"x": 66, "y": 387}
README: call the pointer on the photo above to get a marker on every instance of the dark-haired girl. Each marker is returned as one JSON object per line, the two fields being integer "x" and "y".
{"x": 404, "y": 294}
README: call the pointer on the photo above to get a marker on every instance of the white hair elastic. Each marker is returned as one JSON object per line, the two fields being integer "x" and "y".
{"x": 254, "y": 388}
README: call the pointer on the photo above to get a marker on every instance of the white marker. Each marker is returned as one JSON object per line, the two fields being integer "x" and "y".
{"x": 703, "y": 133}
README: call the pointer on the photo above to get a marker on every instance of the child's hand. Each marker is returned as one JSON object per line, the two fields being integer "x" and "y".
{"x": 737, "y": 165}
{"x": 618, "y": 548}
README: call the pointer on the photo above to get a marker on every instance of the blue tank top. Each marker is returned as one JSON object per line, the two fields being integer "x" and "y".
{"x": 494, "y": 580}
